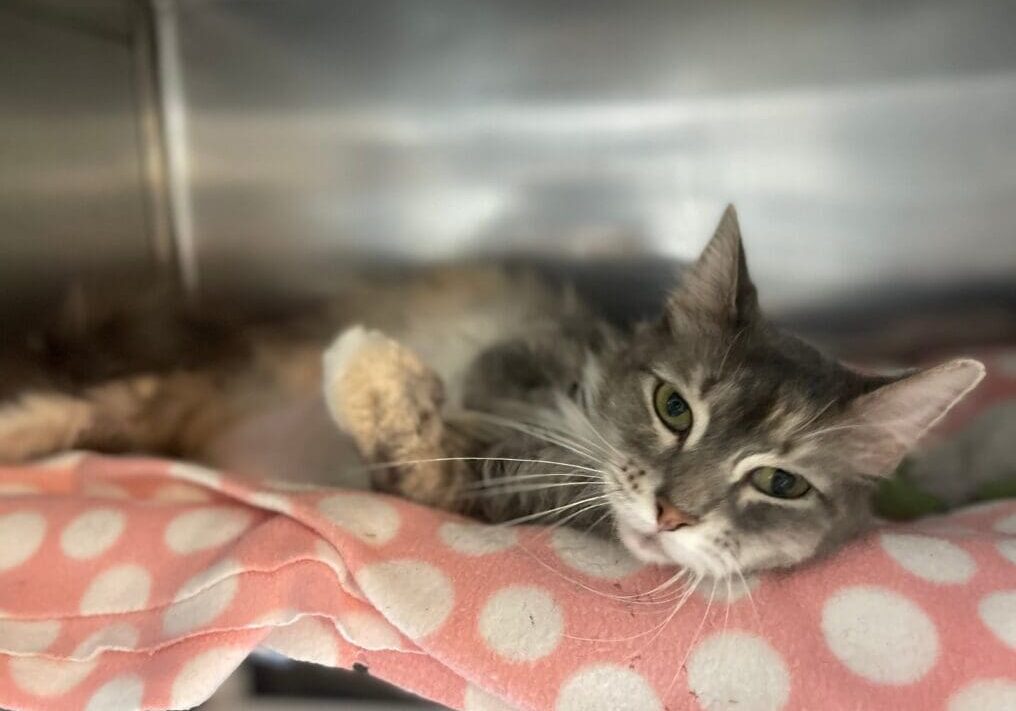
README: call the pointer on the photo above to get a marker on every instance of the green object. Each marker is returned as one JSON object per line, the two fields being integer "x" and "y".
{"x": 998, "y": 489}
{"x": 900, "y": 499}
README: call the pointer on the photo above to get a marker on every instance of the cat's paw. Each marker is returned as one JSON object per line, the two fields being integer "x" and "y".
{"x": 379, "y": 391}
{"x": 348, "y": 353}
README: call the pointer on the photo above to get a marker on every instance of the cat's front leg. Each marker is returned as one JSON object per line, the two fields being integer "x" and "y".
{"x": 389, "y": 402}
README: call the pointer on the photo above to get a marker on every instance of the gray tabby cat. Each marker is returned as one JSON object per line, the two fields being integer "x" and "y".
{"x": 709, "y": 439}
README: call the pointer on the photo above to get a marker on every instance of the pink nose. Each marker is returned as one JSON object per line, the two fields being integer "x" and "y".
{"x": 671, "y": 518}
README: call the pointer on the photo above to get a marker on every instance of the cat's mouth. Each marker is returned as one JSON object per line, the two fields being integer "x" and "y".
{"x": 646, "y": 547}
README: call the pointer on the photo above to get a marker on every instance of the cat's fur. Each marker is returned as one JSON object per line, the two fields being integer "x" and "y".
{"x": 523, "y": 373}
{"x": 583, "y": 440}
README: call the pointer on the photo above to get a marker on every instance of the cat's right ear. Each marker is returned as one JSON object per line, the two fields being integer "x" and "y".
{"x": 717, "y": 289}
{"x": 882, "y": 426}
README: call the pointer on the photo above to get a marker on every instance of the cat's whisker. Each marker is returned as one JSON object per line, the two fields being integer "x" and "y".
{"x": 610, "y": 596}
{"x": 726, "y": 608}
{"x": 655, "y": 628}
{"x": 503, "y": 489}
{"x": 539, "y": 421}
{"x": 546, "y": 476}
{"x": 682, "y": 600}
{"x": 677, "y": 608}
{"x": 679, "y": 590}
{"x": 533, "y": 431}
{"x": 433, "y": 460}
{"x": 557, "y": 509}
{"x": 584, "y": 417}
{"x": 694, "y": 639}
{"x": 747, "y": 588}
{"x": 598, "y": 521}
{"x": 667, "y": 583}
{"x": 566, "y": 519}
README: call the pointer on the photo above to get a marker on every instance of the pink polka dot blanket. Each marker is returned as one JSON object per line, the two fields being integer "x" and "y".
{"x": 129, "y": 583}
{"x": 135, "y": 583}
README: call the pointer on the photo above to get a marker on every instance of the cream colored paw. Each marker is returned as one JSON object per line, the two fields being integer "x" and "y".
{"x": 350, "y": 352}
{"x": 371, "y": 380}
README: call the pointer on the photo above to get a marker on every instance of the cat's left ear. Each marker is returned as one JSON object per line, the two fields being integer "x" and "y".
{"x": 882, "y": 426}
{"x": 717, "y": 288}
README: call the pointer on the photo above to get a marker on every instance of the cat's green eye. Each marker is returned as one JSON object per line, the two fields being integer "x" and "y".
{"x": 779, "y": 483}
{"x": 672, "y": 409}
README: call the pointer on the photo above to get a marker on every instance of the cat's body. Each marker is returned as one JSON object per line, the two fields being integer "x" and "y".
{"x": 667, "y": 435}
{"x": 239, "y": 392}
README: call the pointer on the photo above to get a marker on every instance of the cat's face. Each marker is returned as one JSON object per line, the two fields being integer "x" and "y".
{"x": 736, "y": 447}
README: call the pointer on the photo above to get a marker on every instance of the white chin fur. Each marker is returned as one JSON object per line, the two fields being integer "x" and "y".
{"x": 645, "y": 548}
{"x": 669, "y": 549}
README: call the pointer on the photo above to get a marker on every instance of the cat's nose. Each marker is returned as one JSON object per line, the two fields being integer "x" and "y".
{"x": 671, "y": 518}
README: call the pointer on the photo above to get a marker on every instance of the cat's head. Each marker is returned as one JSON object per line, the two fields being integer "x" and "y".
{"x": 738, "y": 446}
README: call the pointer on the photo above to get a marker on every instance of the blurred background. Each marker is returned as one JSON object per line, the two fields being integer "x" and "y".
{"x": 267, "y": 148}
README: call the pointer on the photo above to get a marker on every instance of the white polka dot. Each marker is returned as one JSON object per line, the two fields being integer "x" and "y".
{"x": 47, "y": 677}
{"x": 306, "y": 640}
{"x": 199, "y": 610}
{"x": 123, "y": 692}
{"x": 607, "y": 687}
{"x": 17, "y": 489}
{"x": 105, "y": 490}
{"x": 181, "y": 493}
{"x": 998, "y": 612}
{"x": 1008, "y": 549}
{"x": 368, "y": 631}
{"x": 418, "y": 614}
{"x": 761, "y": 681}
{"x": 122, "y": 588}
{"x": 477, "y": 699}
{"x": 27, "y": 636}
{"x": 119, "y": 635}
{"x": 367, "y": 517}
{"x": 21, "y": 534}
{"x": 196, "y": 473}
{"x": 205, "y": 528}
{"x": 200, "y": 676}
{"x": 985, "y": 695}
{"x": 521, "y": 623}
{"x": 932, "y": 559}
{"x": 880, "y": 635}
{"x": 92, "y": 533}
{"x": 593, "y": 555}
{"x": 475, "y": 538}
{"x": 1006, "y": 525}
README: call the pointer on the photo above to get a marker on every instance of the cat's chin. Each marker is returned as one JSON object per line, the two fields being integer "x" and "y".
{"x": 645, "y": 547}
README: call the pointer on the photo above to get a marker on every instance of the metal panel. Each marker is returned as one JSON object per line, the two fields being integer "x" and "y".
{"x": 869, "y": 145}
{"x": 72, "y": 198}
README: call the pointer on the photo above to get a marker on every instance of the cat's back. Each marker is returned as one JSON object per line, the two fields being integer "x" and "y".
{"x": 450, "y": 315}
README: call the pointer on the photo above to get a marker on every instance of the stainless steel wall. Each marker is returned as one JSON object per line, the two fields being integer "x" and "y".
{"x": 870, "y": 146}
{"x": 73, "y": 196}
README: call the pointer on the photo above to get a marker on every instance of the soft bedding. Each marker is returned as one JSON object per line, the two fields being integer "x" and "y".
{"x": 129, "y": 583}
